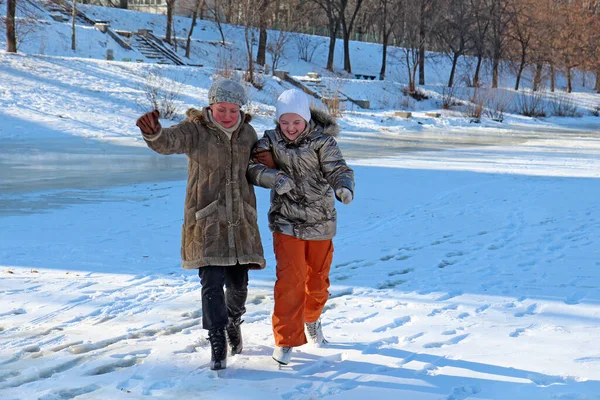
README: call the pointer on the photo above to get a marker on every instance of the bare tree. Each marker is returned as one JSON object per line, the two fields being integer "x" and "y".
{"x": 501, "y": 17}
{"x": 427, "y": 17}
{"x": 543, "y": 42}
{"x": 11, "y": 37}
{"x": 347, "y": 27}
{"x": 481, "y": 15}
{"x": 263, "y": 16}
{"x": 252, "y": 10}
{"x": 73, "y": 16}
{"x": 594, "y": 44}
{"x": 170, "y": 9}
{"x": 215, "y": 12}
{"x": 331, "y": 9}
{"x": 388, "y": 13}
{"x": 275, "y": 48}
{"x": 188, "y": 45}
{"x": 571, "y": 39}
{"x": 453, "y": 31}
{"x": 521, "y": 32}
{"x": 407, "y": 34}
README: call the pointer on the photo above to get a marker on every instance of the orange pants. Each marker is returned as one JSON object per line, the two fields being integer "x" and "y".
{"x": 301, "y": 286}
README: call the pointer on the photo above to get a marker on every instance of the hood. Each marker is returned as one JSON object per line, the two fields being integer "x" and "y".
{"x": 326, "y": 121}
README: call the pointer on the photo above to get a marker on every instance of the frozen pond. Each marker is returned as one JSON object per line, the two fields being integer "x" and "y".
{"x": 45, "y": 173}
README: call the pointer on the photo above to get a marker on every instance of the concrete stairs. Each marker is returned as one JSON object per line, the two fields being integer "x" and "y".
{"x": 154, "y": 49}
{"x": 63, "y": 10}
{"x": 313, "y": 86}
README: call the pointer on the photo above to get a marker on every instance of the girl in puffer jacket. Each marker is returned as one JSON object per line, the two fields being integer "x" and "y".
{"x": 303, "y": 165}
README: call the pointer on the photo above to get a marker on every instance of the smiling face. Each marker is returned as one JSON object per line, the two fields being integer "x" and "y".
{"x": 292, "y": 125}
{"x": 226, "y": 114}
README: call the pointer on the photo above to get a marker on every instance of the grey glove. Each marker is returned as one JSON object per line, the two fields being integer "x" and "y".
{"x": 344, "y": 195}
{"x": 284, "y": 184}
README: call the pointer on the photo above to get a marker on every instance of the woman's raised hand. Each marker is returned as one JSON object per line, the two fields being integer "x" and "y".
{"x": 148, "y": 123}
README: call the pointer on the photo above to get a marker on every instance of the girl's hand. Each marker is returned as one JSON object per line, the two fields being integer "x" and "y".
{"x": 344, "y": 195}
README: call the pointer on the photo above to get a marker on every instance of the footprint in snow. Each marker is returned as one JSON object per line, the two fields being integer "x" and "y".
{"x": 341, "y": 277}
{"x": 390, "y": 284}
{"x": 454, "y": 340}
{"x": 70, "y": 393}
{"x": 575, "y": 298}
{"x": 400, "y": 272}
{"x": 345, "y": 264}
{"x": 446, "y": 263}
{"x": 531, "y": 310}
{"x": 412, "y": 338}
{"x": 463, "y": 392}
{"x": 437, "y": 311}
{"x": 363, "y": 319}
{"x": 587, "y": 360}
{"x": 518, "y": 332}
{"x": 449, "y": 295}
{"x": 395, "y": 324}
{"x": 482, "y": 308}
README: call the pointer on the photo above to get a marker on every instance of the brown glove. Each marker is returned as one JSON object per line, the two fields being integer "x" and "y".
{"x": 148, "y": 123}
{"x": 264, "y": 157}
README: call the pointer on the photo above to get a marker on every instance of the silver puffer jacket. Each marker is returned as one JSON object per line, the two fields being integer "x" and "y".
{"x": 315, "y": 164}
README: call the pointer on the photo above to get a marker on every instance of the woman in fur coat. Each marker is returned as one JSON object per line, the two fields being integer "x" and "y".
{"x": 220, "y": 235}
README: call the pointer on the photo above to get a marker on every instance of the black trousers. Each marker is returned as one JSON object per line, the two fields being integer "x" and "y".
{"x": 219, "y": 305}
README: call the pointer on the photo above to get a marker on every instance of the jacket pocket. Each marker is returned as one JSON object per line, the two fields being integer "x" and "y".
{"x": 206, "y": 211}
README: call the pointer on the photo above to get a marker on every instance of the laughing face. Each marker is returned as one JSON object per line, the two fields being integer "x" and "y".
{"x": 292, "y": 125}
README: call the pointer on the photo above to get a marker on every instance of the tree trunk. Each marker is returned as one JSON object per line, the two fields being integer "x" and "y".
{"x": 453, "y": 69}
{"x": 11, "y": 36}
{"x": 331, "y": 54}
{"x": 347, "y": 66}
{"x": 520, "y": 71}
{"x": 569, "y": 81}
{"x": 188, "y": 45}
{"x": 411, "y": 83}
{"x": 477, "y": 71}
{"x": 537, "y": 79}
{"x": 170, "y": 6}
{"x": 261, "y": 53}
{"x": 422, "y": 65}
{"x": 73, "y": 15}
{"x": 552, "y": 78}
{"x": 123, "y": 4}
{"x": 495, "y": 67}
{"x": 248, "y": 37}
{"x": 384, "y": 55}
{"x": 598, "y": 80}
{"x": 422, "y": 45}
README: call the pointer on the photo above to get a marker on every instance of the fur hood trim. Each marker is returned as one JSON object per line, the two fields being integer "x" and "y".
{"x": 326, "y": 120}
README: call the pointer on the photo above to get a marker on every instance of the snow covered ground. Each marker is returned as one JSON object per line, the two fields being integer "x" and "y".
{"x": 446, "y": 284}
{"x": 467, "y": 266}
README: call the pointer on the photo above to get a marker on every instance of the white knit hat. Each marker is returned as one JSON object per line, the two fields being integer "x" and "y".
{"x": 293, "y": 101}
